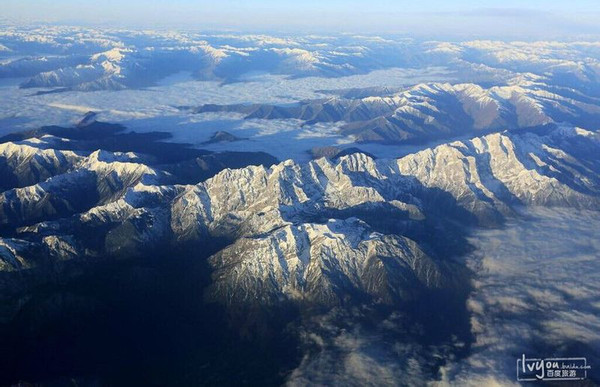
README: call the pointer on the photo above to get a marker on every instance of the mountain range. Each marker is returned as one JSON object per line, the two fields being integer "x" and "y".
{"x": 436, "y": 111}
{"x": 189, "y": 208}
{"x": 314, "y": 232}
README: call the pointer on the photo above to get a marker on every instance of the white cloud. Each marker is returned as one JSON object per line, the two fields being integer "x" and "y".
{"x": 536, "y": 289}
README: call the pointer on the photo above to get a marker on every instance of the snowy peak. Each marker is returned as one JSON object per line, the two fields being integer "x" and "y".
{"x": 23, "y": 165}
{"x": 113, "y": 55}
{"x": 432, "y": 111}
{"x": 502, "y": 169}
{"x": 305, "y": 232}
{"x": 316, "y": 263}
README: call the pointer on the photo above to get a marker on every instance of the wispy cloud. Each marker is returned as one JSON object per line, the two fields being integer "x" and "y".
{"x": 536, "y": 292}
{"x": 513, "y": 13}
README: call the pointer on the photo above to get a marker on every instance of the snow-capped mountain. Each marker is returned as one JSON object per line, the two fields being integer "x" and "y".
{"x": 433, "y": 111}
{"x": 313, "y": 232}
{"x": 24, "y": 165}
{"x": 92, "y": 59}
{"x": 321, "y": 264}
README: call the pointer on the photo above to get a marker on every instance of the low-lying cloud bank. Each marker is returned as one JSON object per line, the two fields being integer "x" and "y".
{"x": 536, "y": 285}
{"x": 536, "y": 292}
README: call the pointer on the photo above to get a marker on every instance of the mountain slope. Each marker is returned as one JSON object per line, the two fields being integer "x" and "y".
{"x": 292, "y": 231}
{"x": 433, "y": 111}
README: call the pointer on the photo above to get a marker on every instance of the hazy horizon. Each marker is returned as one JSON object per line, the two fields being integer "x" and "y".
{"x": 458, "y": 19}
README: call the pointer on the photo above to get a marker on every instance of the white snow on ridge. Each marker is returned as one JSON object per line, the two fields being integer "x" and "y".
{"x": 114, "y": 55}
{"x": 154, "y": 109}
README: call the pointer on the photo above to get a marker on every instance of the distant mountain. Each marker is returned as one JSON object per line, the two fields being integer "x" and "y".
{"x": 89, "y": 59}
{"x": 222, "y": 136}
{"x": 434, "y": 111}
{"x": 121, "y": 68}
{"x": 334, "y": 152}
{"x": 88, "y": 119}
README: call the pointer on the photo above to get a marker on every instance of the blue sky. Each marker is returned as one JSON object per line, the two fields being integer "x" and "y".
{"x": 531, "y": 19}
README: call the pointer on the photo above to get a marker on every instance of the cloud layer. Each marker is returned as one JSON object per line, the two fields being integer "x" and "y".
{"x": 536, "y": 292}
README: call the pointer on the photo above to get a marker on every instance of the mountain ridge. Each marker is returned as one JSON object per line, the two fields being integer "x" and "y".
{"x": 484, "y": 179}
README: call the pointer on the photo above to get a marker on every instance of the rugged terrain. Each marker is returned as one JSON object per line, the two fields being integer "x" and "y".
{"x": 314, "y": 232}
{"x": 428, "y": 112}
{"x": 131, "y": 256}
